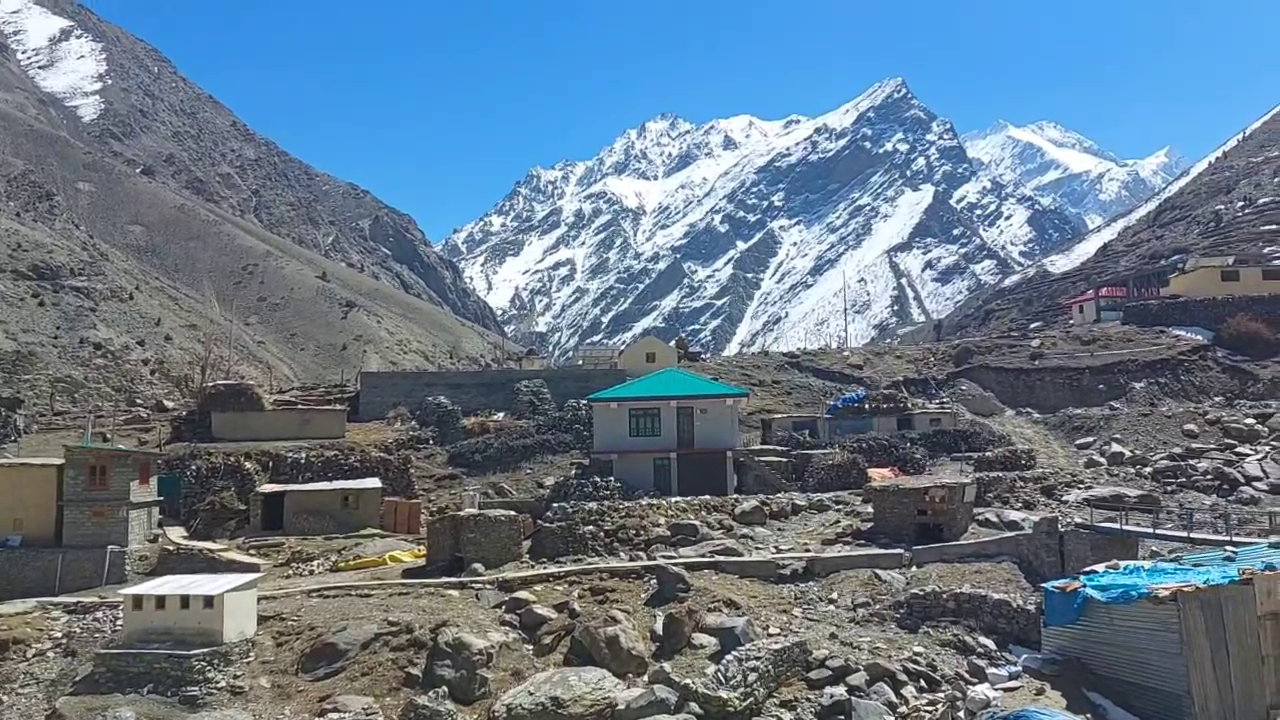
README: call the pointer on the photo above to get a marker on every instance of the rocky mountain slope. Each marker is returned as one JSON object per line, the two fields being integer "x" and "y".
{"x": 746, "y": 234}
{"x": 1069, "y": 170}
{"x": 139, "y": 217}
{"x": 1227, "y": 202}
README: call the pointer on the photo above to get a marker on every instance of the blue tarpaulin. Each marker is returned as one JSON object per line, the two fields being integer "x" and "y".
{"x": 853, "y": 397}
{"x": 1129, "y": 584}
{"x": 1028, "y": 713}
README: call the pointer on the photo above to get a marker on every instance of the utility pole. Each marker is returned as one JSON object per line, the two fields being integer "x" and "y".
{"x": 844, "y": 300}
{"x": 231, "y": 339}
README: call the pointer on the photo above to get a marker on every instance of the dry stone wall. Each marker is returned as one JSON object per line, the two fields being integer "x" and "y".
{"x": 474, "y": 391}
{"x": 45, "y": 572}
{"x": 1209, "y": 313}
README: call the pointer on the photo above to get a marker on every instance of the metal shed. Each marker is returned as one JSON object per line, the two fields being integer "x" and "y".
{"x": 1206, "y": 649}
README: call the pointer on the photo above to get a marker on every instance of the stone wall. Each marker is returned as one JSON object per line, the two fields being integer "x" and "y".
{"x": 190, "y": 560}
{"x": 162, "y": 672}
{"x": 35, "y": 572}
{"x": 1007, "y": 619}
{"x": 1209, "y": 313}
{"x": 896, "y": 507}
{"x": 473, "y": 391}
{"x": 492, "y": 538}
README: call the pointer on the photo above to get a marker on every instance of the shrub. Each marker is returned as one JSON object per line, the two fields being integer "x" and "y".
{"x": 1249, "y": 336}
{"x": 963, "y": 355}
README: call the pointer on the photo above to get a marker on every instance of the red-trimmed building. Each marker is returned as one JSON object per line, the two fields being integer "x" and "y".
{"x": 1104, "y": 304}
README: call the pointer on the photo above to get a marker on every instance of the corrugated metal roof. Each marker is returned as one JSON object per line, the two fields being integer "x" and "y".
{"x": 213, "y": 584}
{"x": 32, "y": 461}
{"x": 1248, "y": 556}
{"x": 357, "y": 484}
{"x": 1135, "y": 650}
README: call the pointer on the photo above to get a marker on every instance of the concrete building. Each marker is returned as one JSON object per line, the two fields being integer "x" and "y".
{"x": 921, "y": 510}
{"x": 647, "y": 354}
{"x": 1226, "y": 275}
{"x": 1192, "y": 640}
{"x": 1104, "y": 304}
{"x": 191, "y": 611}
{"x": 109, "y": 496}
{"x": 300, "y": 423}
{"x": 318, "y": 508}
{"x": 827, "y": 428}
{"x": 29, "y": 490}
{"x": 672, "y": 431}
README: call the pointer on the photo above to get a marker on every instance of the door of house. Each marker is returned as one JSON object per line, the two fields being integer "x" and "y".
{"x": 684, "y": 428}
{"x": 662, "y": 475}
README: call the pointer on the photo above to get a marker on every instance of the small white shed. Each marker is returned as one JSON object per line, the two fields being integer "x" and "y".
{"x": 192, "y": 610}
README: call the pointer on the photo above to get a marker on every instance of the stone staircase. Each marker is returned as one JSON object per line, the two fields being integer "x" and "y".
{"x": 755, "y": 477}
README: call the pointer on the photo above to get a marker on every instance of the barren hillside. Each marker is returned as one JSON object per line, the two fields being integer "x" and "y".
{"x": 140, "y": 220}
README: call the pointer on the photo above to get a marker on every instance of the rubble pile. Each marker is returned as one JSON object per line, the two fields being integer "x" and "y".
{"x": 1027, "y": 490}
{"x": 969, "y": 438}
{"x": 552, "y": 433}
{"x": 889, "y": 451}
{"x": 837, "y": 470}
{"x": 509, "y": 448}
{"x": 217, "y": 486}
{"x": 532, "y": 400}
{"x": 793, "y": 440}
{"x": 1008, "y": 459}
{"x": 441, "y": 418}
{"x": 587, "y": 488}
{"x": 1242, "y": 466}
{"x": 232, "y": 396}
{"x": 745, "y": 678}
{"x": 1007, "y": 619}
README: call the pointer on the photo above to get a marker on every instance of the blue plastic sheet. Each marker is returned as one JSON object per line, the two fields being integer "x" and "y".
{"x": 1127, "y": 585}
{"x": 853, "y": 397}
{"x": 1028, "y": 713}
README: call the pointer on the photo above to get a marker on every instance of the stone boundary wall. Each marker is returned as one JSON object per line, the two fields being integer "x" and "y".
{"x": 1209, "y": 313}
{"x": 473, "y": 391}
{"x": 35, "y": 572}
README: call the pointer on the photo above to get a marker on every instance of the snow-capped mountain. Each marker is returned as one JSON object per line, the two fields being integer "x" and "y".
{"x": 744, "y": 234}
{"x": 1069, "y": 170}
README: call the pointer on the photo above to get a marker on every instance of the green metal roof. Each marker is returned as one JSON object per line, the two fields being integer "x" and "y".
{"x": 669, "y": 384}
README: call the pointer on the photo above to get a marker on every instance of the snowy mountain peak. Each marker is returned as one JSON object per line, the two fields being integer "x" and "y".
{"x": 1068, "y": 170}
{"x": 744, "y": 233}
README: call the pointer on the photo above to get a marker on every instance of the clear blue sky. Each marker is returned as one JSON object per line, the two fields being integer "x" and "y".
{"x": 440, "y": 106}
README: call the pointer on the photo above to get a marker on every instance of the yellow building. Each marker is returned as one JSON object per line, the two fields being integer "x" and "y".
{"x": 1226, "y": 275}
{"x": 29, "y": 499}
{"x": 647, "y": 354}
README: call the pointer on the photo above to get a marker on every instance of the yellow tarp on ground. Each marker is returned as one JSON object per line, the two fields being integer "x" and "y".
{"x": 392, "y": 558}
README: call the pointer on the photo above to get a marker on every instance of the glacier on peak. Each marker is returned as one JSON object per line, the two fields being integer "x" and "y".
{"x": 745, "y": 233}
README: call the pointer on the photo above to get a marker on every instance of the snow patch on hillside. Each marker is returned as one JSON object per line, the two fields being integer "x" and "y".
{"x": 58, "y": 56}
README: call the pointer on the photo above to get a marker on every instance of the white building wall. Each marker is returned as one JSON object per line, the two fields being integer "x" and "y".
{"x": 239, "y": 615}
{"x": 194, "y": 626}
{"x": 715, "y": 425}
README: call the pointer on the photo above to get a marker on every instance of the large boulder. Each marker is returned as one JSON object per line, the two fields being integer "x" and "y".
{"x": 614, "y": 644}
{"x": 575, "y": 693}
{"x": 332, "y": 653}
{"x": 460, "y": 662}
{"x": 1112, "y": 498}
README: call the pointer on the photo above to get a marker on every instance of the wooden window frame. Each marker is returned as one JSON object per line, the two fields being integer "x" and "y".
{"x": 99, "y": 477}
{"x": 644, "y": 422}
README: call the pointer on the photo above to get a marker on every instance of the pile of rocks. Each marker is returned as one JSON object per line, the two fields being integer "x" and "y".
{"x": 889, "y": 451}
{"x": 1008, "y": 619}
{"x": 1007, "y": 459}
{"x": 532, "y": 400}
{"x": 656, "y": 527}
{"x": 972, "y": 437}
{"x": 587, "y": 488}
{"x": 189, "y": 676}
{"x": 839, "y": 469}
{"x": 442, "y": 419}
{"x": 1029, "y": 490}
{"x": 1242, "y": 466}
{"x": 509, "y": 448}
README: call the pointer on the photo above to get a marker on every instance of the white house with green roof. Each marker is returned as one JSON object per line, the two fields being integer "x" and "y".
{"x": 671, "y": 430}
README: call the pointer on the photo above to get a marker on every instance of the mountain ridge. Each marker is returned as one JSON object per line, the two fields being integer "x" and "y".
{"x": 738, "y": 233}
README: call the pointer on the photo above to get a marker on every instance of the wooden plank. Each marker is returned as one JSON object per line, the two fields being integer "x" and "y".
{"x": 1205, "y": 696}
{"x": 1240, "y": 639}
{"x": 1267, "y": 597}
